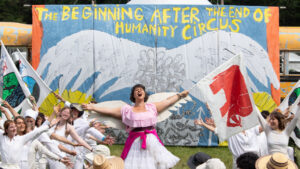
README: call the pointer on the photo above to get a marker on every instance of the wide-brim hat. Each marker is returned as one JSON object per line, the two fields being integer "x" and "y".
{"x": 275, "y": 161}
{"x": 197, "y": 159}
{"x": 111, "y": 162}
{"x": 76, "y": 106}
{"x": 98, "y": 150}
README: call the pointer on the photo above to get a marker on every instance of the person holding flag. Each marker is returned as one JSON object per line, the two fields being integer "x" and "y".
{"x": 278, "y": 131}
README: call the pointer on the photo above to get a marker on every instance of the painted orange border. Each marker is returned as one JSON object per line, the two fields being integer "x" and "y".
{"x": 273, "y": 47}
{"x": 37, "y": 28}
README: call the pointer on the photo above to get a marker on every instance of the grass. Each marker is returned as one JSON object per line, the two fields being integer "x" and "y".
{"x": 185, "y": 152}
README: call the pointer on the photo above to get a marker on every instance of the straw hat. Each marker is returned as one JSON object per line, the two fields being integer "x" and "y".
{"x": 275, "y": 161}
{"x": 112, "y": 162}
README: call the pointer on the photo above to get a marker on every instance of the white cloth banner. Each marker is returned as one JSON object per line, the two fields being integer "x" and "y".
{"x": 231, "y": 103}
{"x": 292, "y": 99}
{"x": 38, "y": 88}
{"x": 11, "y": 79}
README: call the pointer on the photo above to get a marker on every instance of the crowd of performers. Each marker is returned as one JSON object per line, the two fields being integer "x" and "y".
{"x": 67, "y": 139}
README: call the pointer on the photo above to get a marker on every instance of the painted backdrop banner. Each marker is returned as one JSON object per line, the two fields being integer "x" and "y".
{"x": 99, "y": 52}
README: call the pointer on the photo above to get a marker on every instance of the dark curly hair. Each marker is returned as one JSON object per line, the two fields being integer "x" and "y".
{"x": 247, "y": 160}
{"x": 132, "y": 92}
{"x": 265, "y": 114}
{"x": 280, "y": 117}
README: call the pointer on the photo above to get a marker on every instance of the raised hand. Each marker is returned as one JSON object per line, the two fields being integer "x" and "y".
{"x": 56, "y": 109}
{"x": 199, "y": 122}
{"x": 32, "y": 100}
{"x": 6, "y": 104}
{"x": 109, "y": 140}
{"x": 53, "y": 122}
{"x": 184, "y": 93}
{"x": 2, "y": 109}
{"x": 210, "y": 122}
{"x": 59, "y": 97}
{"x": 87, "y": 106}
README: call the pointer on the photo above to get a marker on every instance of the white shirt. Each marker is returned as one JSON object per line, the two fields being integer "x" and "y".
{"x": 82, "y": 128}
{"x": 263, "y": 144}
{"x": 11, "y": 150}
{"x": 243, "y": 142}
{"x": 278, "y": 140}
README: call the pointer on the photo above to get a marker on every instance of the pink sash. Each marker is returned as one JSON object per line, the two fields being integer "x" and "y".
{"x": 132, "y": 136}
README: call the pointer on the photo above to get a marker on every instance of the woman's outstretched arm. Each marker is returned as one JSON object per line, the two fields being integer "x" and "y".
{"x": 115, "y": 112}
{"x": 162, "y": 105}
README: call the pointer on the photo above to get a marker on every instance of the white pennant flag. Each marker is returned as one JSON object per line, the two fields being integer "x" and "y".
{"x": 38, "y": 88}
{"x": 230, "y": 100}
{"x": 14, "y": 90}
{"x": 292, "y": 99}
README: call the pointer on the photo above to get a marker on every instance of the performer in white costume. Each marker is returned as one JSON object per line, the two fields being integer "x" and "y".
{"x": 11, "y": 145}
{"x": 83, "y": 127}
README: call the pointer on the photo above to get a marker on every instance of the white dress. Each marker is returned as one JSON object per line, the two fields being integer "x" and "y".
{"x": 155, "y": 156}
{"x": 54, "y": 164}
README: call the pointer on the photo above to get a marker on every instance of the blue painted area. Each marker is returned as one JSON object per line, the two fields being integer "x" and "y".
{"x": 87, "y": 84}
{"x": 122, "y": 94}
{"x": 55, "y": 82}
{"x": 104, "y": 87}
{"x": 54, "y": 32}
{"x": 258, "y": 84}
{"x": 45, "y": 72}
{"x": 30, "y": 82}
{"x": 73, "y": 80}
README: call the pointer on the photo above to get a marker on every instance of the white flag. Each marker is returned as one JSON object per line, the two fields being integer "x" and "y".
{"x": 230, "y": 100}
{"x": 14, "y": 90}
{"x": 292, "y": 99}
{"x": 38, "y": 88}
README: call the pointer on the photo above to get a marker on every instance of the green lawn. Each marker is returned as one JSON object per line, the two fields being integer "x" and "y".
{"x": 185, "y": 152}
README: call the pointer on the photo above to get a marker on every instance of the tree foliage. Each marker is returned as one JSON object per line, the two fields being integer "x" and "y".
{"x": 14, "y": 10}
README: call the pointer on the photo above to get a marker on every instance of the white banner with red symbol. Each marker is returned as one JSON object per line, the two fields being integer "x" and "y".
{"x": 227, "y": 94}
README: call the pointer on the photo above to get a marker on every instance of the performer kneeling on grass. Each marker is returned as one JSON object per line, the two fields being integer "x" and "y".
{"x": 143, "y": 148}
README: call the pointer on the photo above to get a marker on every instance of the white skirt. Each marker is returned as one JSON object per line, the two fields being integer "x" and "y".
{"x": 155, "y": 156}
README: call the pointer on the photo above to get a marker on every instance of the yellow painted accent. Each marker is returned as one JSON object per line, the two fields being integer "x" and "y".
{"x": 264, "y": 101}
{"x": 73, "y": 97}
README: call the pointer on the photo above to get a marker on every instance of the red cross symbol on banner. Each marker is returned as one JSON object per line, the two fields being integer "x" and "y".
{"x": 238, "y": 103}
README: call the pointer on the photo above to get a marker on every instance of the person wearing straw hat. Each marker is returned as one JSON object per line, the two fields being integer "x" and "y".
{"x": 143, "y": 148}
{"x": 275, "y": 161}
{"x": 278, "y": 131}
